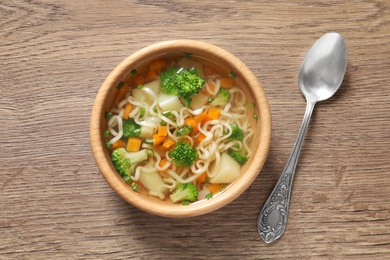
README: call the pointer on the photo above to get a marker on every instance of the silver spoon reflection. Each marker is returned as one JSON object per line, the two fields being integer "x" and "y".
{"x": 320, "y": 76}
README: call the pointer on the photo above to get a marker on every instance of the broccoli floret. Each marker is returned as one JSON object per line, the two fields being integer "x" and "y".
{"x": 184, "y": 192}
{"x": 237, "y": 133}
{"x": 183, "y": 154}
{"x": 125, "y": 161}
{"x": 185, "y": 130}
{"x": 131, "y": 128}
{"x": 222, "y": 97}
{"x": 238, "y": 156}
{"x": 181, "y": 82}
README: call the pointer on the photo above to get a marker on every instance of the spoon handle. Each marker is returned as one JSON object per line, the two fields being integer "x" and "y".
{"x": 272, "y": 220}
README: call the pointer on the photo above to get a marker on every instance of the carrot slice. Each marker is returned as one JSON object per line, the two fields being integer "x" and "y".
{"x": 213, "y": 113}
{"x": 211, "y": 87}
{"x": 192, "y": 122}
{"x": 121, "y": 92}
{"x": 151, "y": 75}
{"x": 157, "y": 65}
{"x": 214, "y": 188}
{"x": 209, "y": 70}
{"x": 133, "y": 144}
{"x": 201, "y": 137}
{"x": 127, "y": 111}
{"x": 158, "y": 139}
{"x": 139, "y": 80}
{"x": 227, "y": 82}
{"x": 162, "y": 130}
{"x": 201, "y": 118}
{"x": 201, "y": 178}
{"x": 118, "y": 144}
{"x": 168, "y": 143}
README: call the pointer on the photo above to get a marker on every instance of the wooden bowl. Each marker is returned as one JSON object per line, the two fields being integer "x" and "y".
{"x": 260, "y": 142}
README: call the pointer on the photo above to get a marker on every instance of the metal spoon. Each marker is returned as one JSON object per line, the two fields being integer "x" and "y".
{"x": 320, "y": 76}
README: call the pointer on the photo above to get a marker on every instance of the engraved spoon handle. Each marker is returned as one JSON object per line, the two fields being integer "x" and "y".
{"x": 272, "y": 220}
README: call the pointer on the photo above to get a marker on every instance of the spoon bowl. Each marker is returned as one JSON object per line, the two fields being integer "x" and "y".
{"x": 323, "y": 68}
{"x": 320, "y": 76}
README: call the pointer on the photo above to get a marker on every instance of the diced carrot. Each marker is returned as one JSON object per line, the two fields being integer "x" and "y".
{"x": 211, "y": 87}
{"x": 214, "y": 188}
{"x": 201, "y": 178}
{"x": 139, "y": 80}
{"x": 118, "y": 144}
{"x": 121, "y": 92}
{"x": 213, "y": 113}
{"x": 227, "y": 82}
{"x": 151, "y": 75}
{"x": 158, "y": 139}
{"x": 201, "y": 137}
{"x": 201, "y": 118}
{"x": 133, "y": 144}
{"x": 168, "y": 143}
{"x": 162, "y": 130}
{"x": 192, "y": 122}
{"x": 127, "y": 111}
{"x": 157, "y": 65}
{"x": 163, "y": 162}
{"x": 209, "y": 70}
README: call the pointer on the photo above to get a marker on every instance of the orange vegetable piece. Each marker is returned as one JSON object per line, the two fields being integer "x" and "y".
{"x": 211, "y": 87}
{"x": 127, "y": 111}
{"x": 209, "y": 70}
{"x": 118, "y": 144}
{"x": 201, "y": 118}
{"x": 214, "y": 188}
{"x": 121, "y": 92}
{"x": 162, "y": 130}
{"x": 213, "y": 113}
{"x": 157, "y": 65}
{"x": 201, "y": 137}
{"x": 151, "y": 75}
{"x": 139, "y": 80}
{"x": 163, "y": 162}
{"x": 227, "y": 82}
{"x": 168, "y": 143}
{"x": 201, "y": 178}
{"x": 157, "y": 139}
{"x": 192, "y": 122}
{"x": 133, "y": 144}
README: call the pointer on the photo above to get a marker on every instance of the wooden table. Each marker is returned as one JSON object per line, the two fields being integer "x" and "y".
{"x": 54, "y": 203}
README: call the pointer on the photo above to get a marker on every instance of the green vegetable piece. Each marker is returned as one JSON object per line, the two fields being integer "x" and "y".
{"x": 125, "y": 162}
{"x": 134, "y": 72}
{"x": 209, "y": 196}
{"x": 142, "y": 111}
{"x": 107, "y": 115}
{"x": 120, "y": 85}
{"x": 237, "y": 133}
{"x": 106, "y": 133}
{"x": 255, "y": 116}
{"x": 184, "y": 192}
{"x": 107, "y": 144}
{"x": 222, "y": 97}
{"x": 181, "y": 82}
{"x": 183, "y": 154}
{"x": 185, "y": 202}
{"x": 238, "y": 156}
{"x": 131, "y": 128}
{"x": 250, "y": 105}
{"x": 184, "y": 130}
{"x": 232, "y": 75}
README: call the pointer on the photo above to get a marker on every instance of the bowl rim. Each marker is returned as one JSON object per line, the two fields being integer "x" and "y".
{"x": 216, "y": 54}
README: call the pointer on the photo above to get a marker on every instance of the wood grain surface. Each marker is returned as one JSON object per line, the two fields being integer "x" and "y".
{"x": 54, "y": 203}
